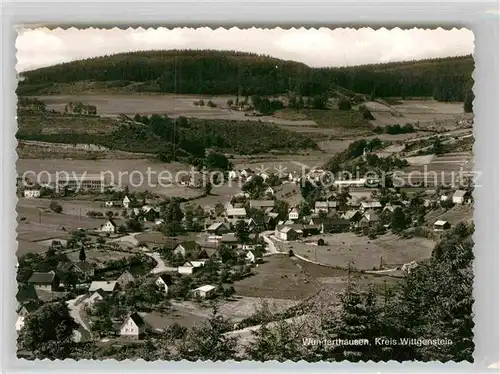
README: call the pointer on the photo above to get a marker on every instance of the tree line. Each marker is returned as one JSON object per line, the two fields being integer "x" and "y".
{"x": 228, "y": 72}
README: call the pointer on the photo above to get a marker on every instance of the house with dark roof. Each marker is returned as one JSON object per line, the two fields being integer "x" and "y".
{"x": 218, "y": 229}
{"x": 262, "y": 204}
{"x": 82, "y": 267}
{"x": 370, "y": 218}
{"x": 45, "y": 281}
{"x": 26, "y": 293}
{"x": 187, "y": 247}
{"x": 133, "y": 327}
{"x": 164, "y": 281}
{"x": 124, "y": 279}
{"x": 110, "y": 226}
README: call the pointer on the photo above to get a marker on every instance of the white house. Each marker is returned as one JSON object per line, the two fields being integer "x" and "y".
{"x": 269, "y": 191}
{"x": 441, "y": 225}
{"x": 324, "y": 206}
{"x": 287, "y": 234}
{"x": 163, "y": 281}
{"x": 19, "y": 323}
{"x": 264, "y": 176}
{"x": 205, "y": 291}
{"x": 293, "y": 214}
{"x": 375, "y": 205}
{"x": 109, "y": 204}
{"x": 31, "y": 193}
{"x": 106, "y": 286}
{"x": 350, "y": 183}
{"x": 95, "y": 297}
{"x": 110, "y": 226}
{"x": 460, "y": 197}
{"x": 232, "y": 175}
{"x": 252, "y": 256}
{"x": 189, "y": 267}
{"x": 133, "y": 327}
{"x": 236, "y": 213}
{"x": 126, "y": 202}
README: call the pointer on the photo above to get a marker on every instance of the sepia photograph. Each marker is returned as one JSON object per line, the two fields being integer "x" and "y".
{"x": 245, "y": 194}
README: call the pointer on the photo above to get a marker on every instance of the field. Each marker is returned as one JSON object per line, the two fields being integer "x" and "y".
{"x": 363, "y": 254}
{"x": 411, "y": 111}
{"x": 282, "y": 277}
{"x": 97, "y": 257}
{"x": 139, "y": 174}
{"x": 453, "y": 216}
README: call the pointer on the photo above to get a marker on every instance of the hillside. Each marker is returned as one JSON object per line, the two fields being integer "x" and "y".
{"x": 227, "y": 72}
{"x": 158, "y": 134}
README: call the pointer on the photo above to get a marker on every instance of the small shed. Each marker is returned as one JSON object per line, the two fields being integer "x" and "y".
{"x": 441, "y": 225}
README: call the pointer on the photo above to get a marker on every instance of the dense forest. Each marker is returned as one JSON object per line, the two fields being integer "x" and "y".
{"x": 228, "y": 72}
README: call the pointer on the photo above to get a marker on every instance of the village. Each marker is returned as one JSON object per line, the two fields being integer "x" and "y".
{"x": 175, "y": 252}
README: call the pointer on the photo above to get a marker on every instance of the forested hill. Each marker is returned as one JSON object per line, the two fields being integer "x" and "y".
{"x": 226, "y": 72}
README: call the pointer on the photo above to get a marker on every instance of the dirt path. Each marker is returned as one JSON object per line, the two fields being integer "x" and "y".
{"x": 75, "y": 307}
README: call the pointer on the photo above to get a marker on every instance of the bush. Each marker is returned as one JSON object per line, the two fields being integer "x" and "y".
{"x": 366, "y": 113}
{"x": 55, "y": 207}
{"x": 344, "y": 104}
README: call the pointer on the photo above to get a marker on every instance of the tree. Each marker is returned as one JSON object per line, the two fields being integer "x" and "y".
{"x": 344, "y": 104}
{"x": 469, "y": 98}
{"x": 82, "y": 256}
{"x": 48, "y": 332}
{"x": 172, "y": 215}
{"x": 219, "y": 209}
{"x": 110, "y": 214}
{"x": 208, "y": 187}
{"x": 398, "y": 220}
{"x": 282, "y": 208}
{"x": 208, "y": 341}
{"x": 55, "y": 207}
{"x": 133, "y": 225}
{"x": 241, "y": 231}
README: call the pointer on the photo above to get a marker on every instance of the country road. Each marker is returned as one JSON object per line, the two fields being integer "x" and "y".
{"x": 161, "y": 267}
{"x": 271, "y": 248}
{"x": 75, "y": 309}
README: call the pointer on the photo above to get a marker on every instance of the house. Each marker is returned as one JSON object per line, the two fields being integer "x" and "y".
{"x": 460, "y": 197}
{"x": 262, "y": 204}
{"x": 287, "y": 234}
{"x": 253, "y": 256}
{"x": 324, "y": 206}
{"x": 189, "y": 267}
{"x": 236, "y": 213}
{"x": 112, "y": 204}
{"x": 229, "y": 239}
{"x": 374, "y": 205}
{"x": 163, "y": 281}
{"x": 335, "y": 224}
{"x": 250, "y": 223}
{"x": 124, "y": 279}
{"x": 246, "y": 172}
{"x": 446, "y": 196}
{"x": 293, "y": 214}
{"x": 97, "y": 296}
{"x": 353, "y": 216}
{"x": 134, "y": 327}
{"x": 218, "y": 229}
{"x": 26, "y": 293}
{"x": 269, "y": 191}
{"x": 232, "y": 175}
{"x": 31, "y": 193}
{"x": 350, "y": 183}
{"x": 82, "y": 267}
{"x": 150, "y": 213}
{"x": 45, "y": 281}
{"x": 110, "y": 226}
{"x": 270, "y": 220}
{"x": 188, "y": 247}
{"x": 126, "y": 202}
{"x": 370, "y": 218}
{"x": 441, "y": 225}
{"x": 23, "y": 312}
{"x": 204, "y": 292}
{"x": 105, "y": 286}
